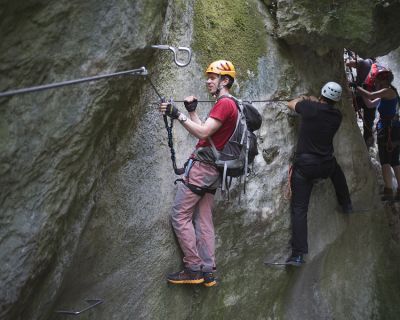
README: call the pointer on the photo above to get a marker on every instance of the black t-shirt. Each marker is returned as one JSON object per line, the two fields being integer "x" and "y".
{"x": 319, "y": 123}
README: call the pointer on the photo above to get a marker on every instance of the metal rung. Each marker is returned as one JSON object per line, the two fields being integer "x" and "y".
{"x": 93, "y": 303}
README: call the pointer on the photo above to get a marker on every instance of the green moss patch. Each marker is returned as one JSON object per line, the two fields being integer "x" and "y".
{"x": 229, "y": 29}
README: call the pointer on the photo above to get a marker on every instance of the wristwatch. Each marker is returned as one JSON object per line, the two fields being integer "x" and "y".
{"x": 182, "y": 118}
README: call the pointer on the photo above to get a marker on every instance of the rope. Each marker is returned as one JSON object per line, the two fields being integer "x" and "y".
{"x": 171, "y": 143}
{"x": 169, "y": 128}
{"x": 249, "y": 101}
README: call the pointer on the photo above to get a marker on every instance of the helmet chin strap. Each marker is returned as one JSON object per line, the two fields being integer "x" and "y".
{"x": 321, "y": 99}
{"x": 219, "y": 88}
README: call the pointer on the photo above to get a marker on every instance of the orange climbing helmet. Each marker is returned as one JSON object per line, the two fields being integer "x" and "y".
{"x": 222, "y": 67}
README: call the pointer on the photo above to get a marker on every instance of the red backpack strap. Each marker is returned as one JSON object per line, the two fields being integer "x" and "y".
{"x": 370, "y": 80}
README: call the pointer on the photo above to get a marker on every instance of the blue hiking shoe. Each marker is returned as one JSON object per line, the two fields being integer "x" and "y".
{"x": 295, "y": 260}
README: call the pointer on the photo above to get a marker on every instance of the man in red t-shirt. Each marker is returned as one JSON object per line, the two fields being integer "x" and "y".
{"x": 192, "y": 209}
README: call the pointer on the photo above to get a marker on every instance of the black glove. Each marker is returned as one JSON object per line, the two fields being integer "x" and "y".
{"x": 172, "y": 111}
{"x": 353, "y": 85}
{"x": 191, "y": 106}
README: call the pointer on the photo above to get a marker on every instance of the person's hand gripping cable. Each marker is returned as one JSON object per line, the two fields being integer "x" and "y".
{"x": 190, "y": 104}
{"x": 169, "y": 109}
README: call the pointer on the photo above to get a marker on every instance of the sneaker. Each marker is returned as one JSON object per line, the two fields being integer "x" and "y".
{"x": 186, "y": 276}
{"x": 295, "y": 260}
{"x": 209, "y": 279}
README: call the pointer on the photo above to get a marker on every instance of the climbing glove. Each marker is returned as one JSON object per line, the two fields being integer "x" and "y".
{"x": 191, "y": 106}
{"x": 172, "y": 111}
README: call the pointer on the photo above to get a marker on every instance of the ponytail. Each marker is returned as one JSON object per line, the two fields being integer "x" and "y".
{"x": 395, "y": 90}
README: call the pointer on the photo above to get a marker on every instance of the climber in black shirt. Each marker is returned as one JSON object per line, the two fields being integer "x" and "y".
{"x": 320, "y": 120}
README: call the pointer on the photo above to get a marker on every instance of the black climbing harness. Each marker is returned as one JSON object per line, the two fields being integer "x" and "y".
{"x": 200, "y": 191}
{"x": 169, "y": 128}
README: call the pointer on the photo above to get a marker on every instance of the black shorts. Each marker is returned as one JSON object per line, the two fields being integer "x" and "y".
{"x": 388, "y": 155}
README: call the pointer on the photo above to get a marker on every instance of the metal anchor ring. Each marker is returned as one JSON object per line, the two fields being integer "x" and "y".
{"x": 176, "y": 51}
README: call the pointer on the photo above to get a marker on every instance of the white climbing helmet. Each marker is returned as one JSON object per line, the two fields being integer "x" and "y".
{"x": 332, "y": 91}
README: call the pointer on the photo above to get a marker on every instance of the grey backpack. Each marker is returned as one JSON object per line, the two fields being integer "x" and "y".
{"x": 240, "y": 150}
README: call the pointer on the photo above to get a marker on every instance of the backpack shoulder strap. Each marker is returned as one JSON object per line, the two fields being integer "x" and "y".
{"x": 230, "y": 97}
{"x": 239, "y": 105}
{"x": 213, "y": 147}
{"x": 239, "y": 102}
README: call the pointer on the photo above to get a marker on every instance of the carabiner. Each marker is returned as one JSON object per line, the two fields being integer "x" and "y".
{"x": 176, "y": 51}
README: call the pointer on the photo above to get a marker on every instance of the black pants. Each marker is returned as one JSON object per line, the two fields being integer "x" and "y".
{"x": 306, "y": 170}
{"x": 368, "y": 121}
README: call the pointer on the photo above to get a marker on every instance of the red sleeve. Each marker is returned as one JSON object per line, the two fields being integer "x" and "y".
{"x": 223, "y": 109}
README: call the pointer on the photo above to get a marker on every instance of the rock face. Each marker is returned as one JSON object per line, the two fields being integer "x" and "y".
{"x": 87, "y": 183}
{"x": 363, "y": 26}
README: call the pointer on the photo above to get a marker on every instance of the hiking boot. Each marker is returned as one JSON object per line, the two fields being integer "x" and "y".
{"x": 347, "y": 208}
{"x": 186, "y": 276}
{"x": 387, "y": 194}
{"x": 295, "y": 260}
{"x": 209, "y": 279}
